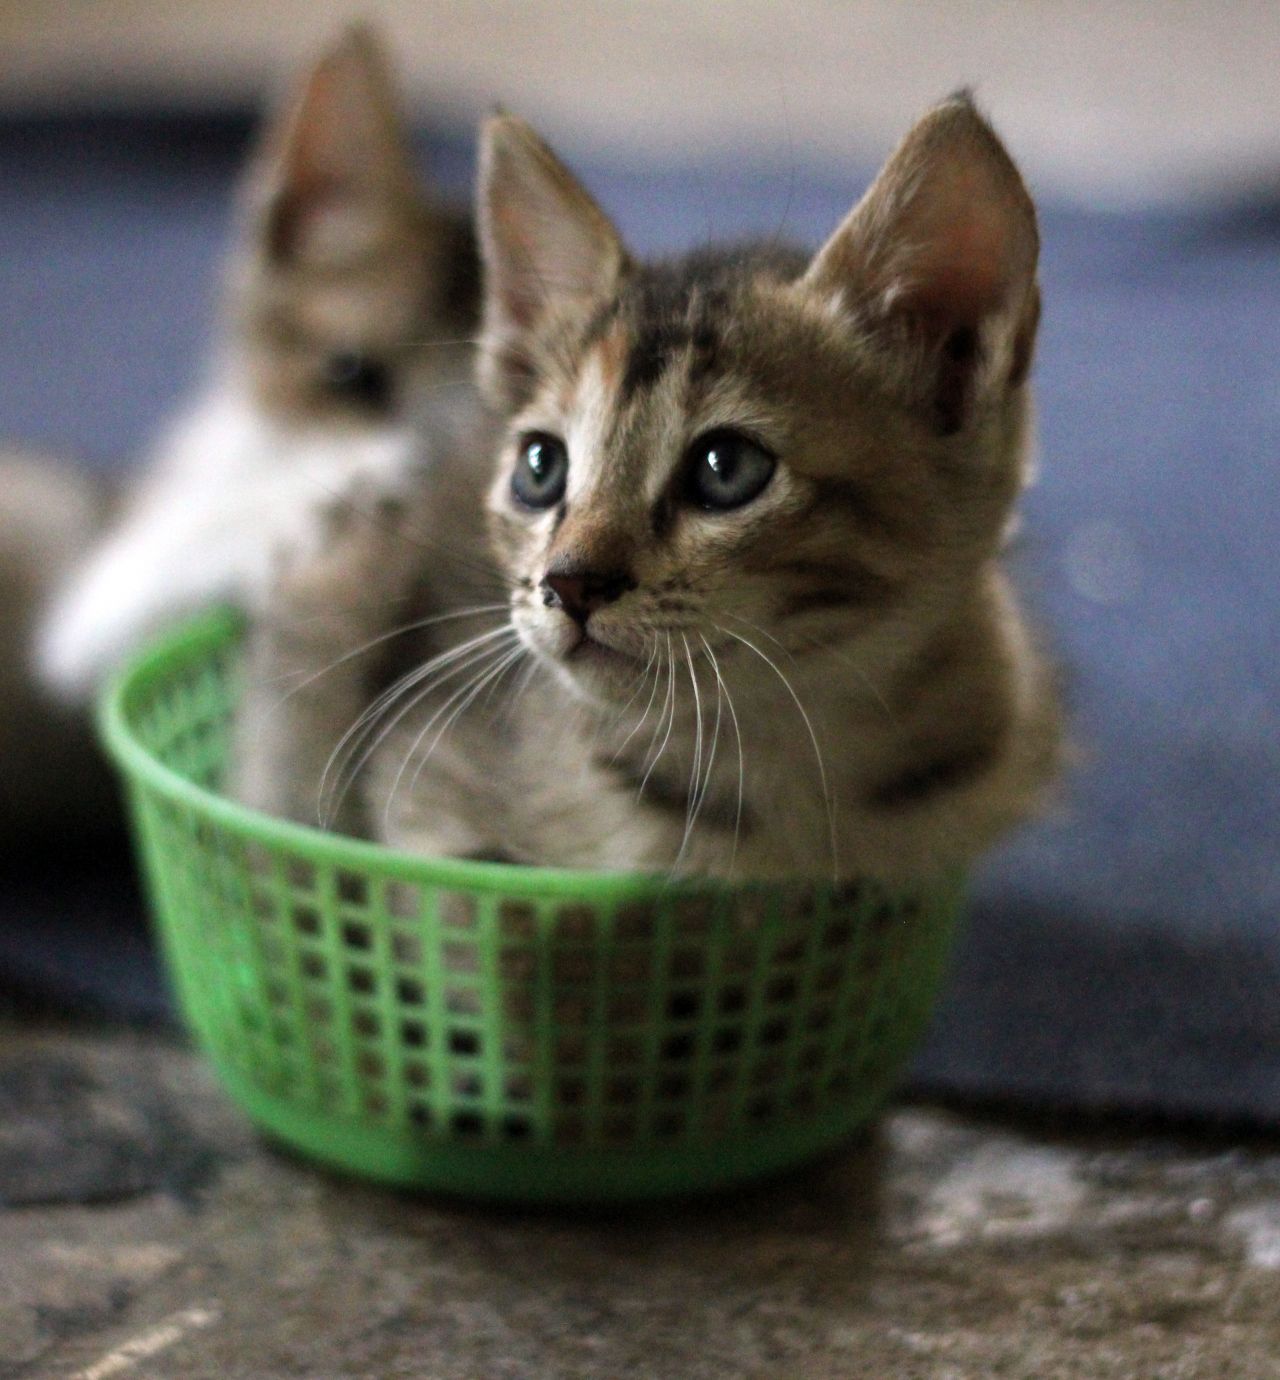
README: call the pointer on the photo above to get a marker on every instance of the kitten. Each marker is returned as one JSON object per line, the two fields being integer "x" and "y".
{"x": 746, "y": 524}
{"x": 340, "y": 274}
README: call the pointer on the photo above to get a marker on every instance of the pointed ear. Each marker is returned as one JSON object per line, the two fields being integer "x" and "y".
{"x": 335, "y": 156}
{"x": 549, "y": 252}
{"x": 938, "y": 263}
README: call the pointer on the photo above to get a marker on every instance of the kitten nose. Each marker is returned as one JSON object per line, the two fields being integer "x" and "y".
{"x": 580, "y": 591}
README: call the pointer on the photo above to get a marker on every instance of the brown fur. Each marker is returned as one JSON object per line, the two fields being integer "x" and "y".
{"x": 846, "y": 638}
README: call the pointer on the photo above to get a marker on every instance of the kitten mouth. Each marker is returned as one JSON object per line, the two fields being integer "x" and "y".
{"x": 588, "y": 649}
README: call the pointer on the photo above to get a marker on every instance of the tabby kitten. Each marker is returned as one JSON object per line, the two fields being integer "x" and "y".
{"x": 341, "y": 274}
{"x": 746, "y": 520}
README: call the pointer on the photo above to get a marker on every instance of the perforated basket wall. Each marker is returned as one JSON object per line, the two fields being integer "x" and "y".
{"x": 507, "y": 1032}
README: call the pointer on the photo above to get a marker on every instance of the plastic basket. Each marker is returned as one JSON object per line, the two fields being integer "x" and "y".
{"x": 505, "y": 1032}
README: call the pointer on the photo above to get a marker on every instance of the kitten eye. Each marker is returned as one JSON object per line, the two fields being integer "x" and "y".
{"x": 358, "y": 378}
{"x": 541, "y": 470}
{"x": 726, "y": 470}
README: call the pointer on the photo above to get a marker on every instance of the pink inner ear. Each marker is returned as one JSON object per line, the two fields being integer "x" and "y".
{"x": 964, "y": 269}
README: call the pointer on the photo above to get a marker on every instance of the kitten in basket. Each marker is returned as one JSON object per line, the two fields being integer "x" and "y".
{"x": 347, "y": 290}
{"x": 731, "y": 602}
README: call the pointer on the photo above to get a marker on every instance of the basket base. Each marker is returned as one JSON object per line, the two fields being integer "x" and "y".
{"x": 552, "y": 1176}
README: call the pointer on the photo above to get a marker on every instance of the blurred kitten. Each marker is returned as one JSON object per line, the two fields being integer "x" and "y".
{"x": 747, "y": 521}
{"x": 347, "y": 295}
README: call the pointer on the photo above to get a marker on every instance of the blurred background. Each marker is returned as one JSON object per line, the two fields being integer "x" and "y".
{"x": 1125, "y": 953}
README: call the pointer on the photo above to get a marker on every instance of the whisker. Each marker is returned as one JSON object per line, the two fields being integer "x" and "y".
{"x": 733, "y": 715}
{"x": 451, "y": 663}
{"x": 813, "y": 739}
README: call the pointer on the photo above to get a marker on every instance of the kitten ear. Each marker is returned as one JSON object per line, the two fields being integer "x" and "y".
{"x": 938, "y": 261}
{"x": 336, "y": 154}
{"x": 548, "y": 251}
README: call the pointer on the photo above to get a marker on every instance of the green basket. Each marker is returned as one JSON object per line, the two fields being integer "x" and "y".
{"x": 515, "y": 1033}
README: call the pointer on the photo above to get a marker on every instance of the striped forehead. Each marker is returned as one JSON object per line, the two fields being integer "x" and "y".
{"x": 622, "y": 438}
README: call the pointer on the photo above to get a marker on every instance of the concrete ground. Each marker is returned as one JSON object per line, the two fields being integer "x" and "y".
{"x": 148, "y": 1232}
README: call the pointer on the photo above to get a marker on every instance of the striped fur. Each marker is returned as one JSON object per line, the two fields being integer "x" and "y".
{"x": 831, "y": 678}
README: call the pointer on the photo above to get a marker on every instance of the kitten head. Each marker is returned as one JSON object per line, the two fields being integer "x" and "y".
{"x": 754, "y": 441}
{"x": 343, "y": 269}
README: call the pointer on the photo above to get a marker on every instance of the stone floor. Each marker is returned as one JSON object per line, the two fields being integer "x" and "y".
{"x": 146, "y": 1232}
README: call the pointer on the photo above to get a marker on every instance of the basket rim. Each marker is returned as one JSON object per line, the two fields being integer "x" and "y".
{"x": 219, "y": 626}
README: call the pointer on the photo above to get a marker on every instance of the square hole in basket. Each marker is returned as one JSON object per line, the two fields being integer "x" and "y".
{"x": 313, "y": 966}
{"x": 263, "y": 906}
{"x": 375, "y": 1103}
{"x": 761, "y": 1108}
{"x": 838, "y": 933}
{"x": 518, "y": 1007}
{"x": 575, "y": 924}
{"x": 517, "y": 965}
{"x": 277, "y": 994}
{"x": 628, "y": 1008}
{"x": 569, "y": 1131}
{"x": 678, "y": 1047}
{"x": 620, "y": 1129}
{"x": 406, "y": 949}
{"x": 733, "y": 999}
{"x": 683, "y": 1006}
{"x": 783, "y": 988}
{"x": 357, "y": 935}
{"x": 413, "y": 1034}
{"x": 571, "y": 1092}
{"x": 319, "y": 1010}
{"x": 518, "y": 921}
{"x": 461, "y": 958}
{"x": 300, "y": 874}
{"x": 518, "y": 1087}
{"x": 323, "y": 1050}
{"x": 420, "y": 1116}
{"x": 571, "y": 1009}
{"x": 366, "y": 1024}
{"x": 570, "y": 1048}
{"x": 463, "y": 1001}
{"x": 274, "y": 953}
{"x": 625, "y": 1049}
{"x": 693, "y": 915}
{"x": 458, "y": 912}
{"x": 410, "y": 992}
{"x": 775, "y": 1032}
{"x": 361, "y": 981}
{"x": 720, "y": 1078}
{"x": 306, "y": 920}
{"x": 668, "y": 1125}
{"x": 571, "y": 968}
{"x": 257, "y": 860}
{"x": 630, "y": 965}
{"x": 687, "y": 965}
{"x": 467, "y": 1083}
{"x": 635, "y": 920}
{"x": 352, "y": 888}
{"x": 464, "y": 1042}
{"x": 402, "y": 900}
{"x": 623, "y": 1092}
{"x": 468, "y": 1125}
{"x": 416, "y": 1075}
{"x": 516, "y": 1128}
{"x": 728, "y": 1040}
{"x": 828, "y": 979}
{"x": 674, "y": 1085}
{"x": 371, "y": 1064}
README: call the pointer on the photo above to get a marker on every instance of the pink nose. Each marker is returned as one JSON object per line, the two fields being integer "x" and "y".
{"x": 580, "y": 591}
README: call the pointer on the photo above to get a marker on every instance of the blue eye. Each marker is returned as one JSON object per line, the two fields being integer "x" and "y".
{"x": 726, "y": 470}
{"x": 541, "y": 470}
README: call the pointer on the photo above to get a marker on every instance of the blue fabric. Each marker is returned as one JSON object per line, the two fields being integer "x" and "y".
{"x": 1124, "y": 953}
